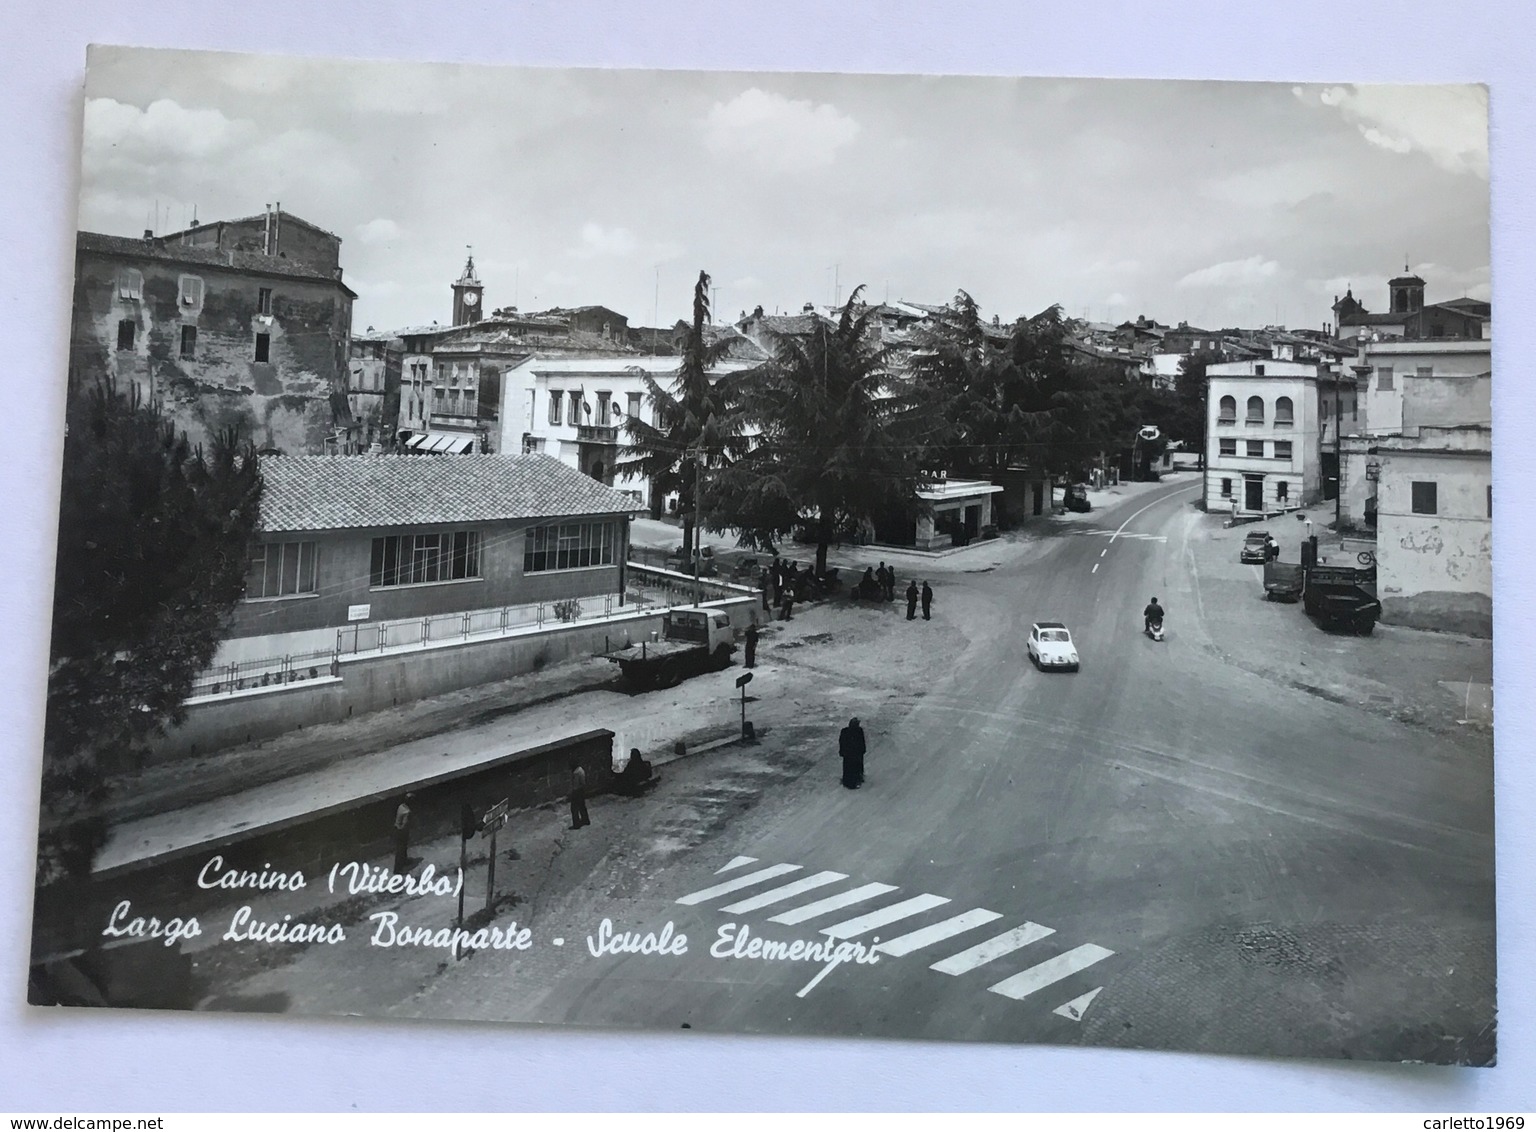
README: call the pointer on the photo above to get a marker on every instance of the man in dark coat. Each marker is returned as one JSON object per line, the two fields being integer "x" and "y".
{"x": 911, "y": 600}
{"x": 751, "y": 645}
{"x": 578, "y": 797}
{"x": 776, "y": 575}
{"x": 927, "y": 601}
{"x": 403, "y": 834}
{"x": 887, "y": 577}
{"x": 850, "y": 745}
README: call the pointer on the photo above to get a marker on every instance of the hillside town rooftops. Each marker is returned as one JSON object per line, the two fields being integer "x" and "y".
{"x": 326, "y": 493}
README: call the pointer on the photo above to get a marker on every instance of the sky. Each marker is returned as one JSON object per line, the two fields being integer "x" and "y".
{"x": 1220, "y": 204}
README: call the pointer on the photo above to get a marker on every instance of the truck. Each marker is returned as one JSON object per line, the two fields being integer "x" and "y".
{"x": 1342, "y": 595}
{"x": 693, "y": 640}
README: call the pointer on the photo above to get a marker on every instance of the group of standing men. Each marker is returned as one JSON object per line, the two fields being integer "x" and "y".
{"x": 879, "y": 583}
{"x": 782, "y": 583}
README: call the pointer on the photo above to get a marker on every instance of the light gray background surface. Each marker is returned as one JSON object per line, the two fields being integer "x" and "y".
{"x": 107, "y": 1061}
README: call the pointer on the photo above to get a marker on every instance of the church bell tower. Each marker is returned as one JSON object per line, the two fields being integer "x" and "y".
{"x": 466, "y": 295}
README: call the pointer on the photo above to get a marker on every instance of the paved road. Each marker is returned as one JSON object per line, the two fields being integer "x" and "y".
{"x": 1160, "y": 850}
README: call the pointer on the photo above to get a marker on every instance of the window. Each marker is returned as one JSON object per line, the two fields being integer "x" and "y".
{"x": 1227, "y": 412}
{"x": 1228, "y": 447}
{"x": 1384, "y": 378}
{"x": 1255, "y": 448}
{"x": 263, "y": 347}
{"x": 575, "y": 407}
{"x": 1282, "y": 450}
{"x": 1282, "y": 491}
{"x": 191, "y": 292}
{"x": 1255, "y": 410}
{"x": 634, "y": 406}
{"x": 1285, "y": 412}
{"x": 1226, "y": 489}
{"x": 411, "y": 560}
{"x": 568, "y": 546}
{"x": 1354, "y": 408}
{"x": 189, "y": 342}
{"x": 555, "y": 401}
{"x": 1258, "y": 370}
{"x": 604, "y": 405}
{"x": 264, "y": 300}
{"x": 281, "y": 569}
{"x": 1424, "y": 501}
{"x": 1424, "y": 371}
{"x": 130, "y": 284}
{"x": 126, "y": 330}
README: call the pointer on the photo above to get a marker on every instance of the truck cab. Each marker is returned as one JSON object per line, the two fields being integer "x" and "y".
{"x": 708, "y": 627}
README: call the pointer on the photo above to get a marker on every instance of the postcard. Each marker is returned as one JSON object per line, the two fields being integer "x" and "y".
{"x": 895, "y": 556}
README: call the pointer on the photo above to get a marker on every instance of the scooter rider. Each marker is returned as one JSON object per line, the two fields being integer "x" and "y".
{"x": 1153, "y": 614}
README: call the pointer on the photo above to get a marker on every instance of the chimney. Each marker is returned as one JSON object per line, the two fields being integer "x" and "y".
{"x": 809, "y": 308}
{"x": 149, "y": 233}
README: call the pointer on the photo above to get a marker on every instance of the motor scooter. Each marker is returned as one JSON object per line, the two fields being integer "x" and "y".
{"x": 1154, "y": 630}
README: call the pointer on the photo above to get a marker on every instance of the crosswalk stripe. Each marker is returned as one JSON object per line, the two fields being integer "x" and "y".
{"x": 933, "y": 933}
{"x": 860, "y": 925}
{"x": 735, "y": 863}
{"x": 990, "y": 949}
{"x": 783, "y": 892}
{"x": 1078, "y": 1006}
{"x": 743, "y": 881}
{"x": 1027, "y": 982}
{"x": 831, "y": 903}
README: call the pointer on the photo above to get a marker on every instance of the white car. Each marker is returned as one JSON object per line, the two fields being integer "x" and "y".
{"x": 1050, "y": 646}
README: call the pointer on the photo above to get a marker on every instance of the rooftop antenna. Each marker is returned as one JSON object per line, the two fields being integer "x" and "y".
{"x": 837, "y": 284}
{"x": 656, "y": 313}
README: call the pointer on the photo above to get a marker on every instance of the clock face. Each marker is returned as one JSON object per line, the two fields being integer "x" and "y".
{"x": 471, "y": 299}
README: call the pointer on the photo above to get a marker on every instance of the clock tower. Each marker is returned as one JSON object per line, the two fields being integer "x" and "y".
{"x": 466, "y": 295}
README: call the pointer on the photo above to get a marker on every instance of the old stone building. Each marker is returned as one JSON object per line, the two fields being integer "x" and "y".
{"x": 241, "y": 323}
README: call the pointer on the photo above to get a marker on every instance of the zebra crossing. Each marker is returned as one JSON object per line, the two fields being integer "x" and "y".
{"x": 1120, "y": 534}
{"x": 807, "y": 899}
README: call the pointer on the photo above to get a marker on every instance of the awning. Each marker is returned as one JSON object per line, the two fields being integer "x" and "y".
{"x": 443, "y": 442}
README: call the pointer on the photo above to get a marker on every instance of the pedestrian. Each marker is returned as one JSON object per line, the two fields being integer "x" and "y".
{"x": 579, "y": 816}
{"x": 776, "y": 573}
{"x": 927, "y": 601}
{"x": 850, "y": 745}
{"x": 869, "y": 586}
{"x": 763, "y": 584}
{"x": 912, "y": 600}
{"x": 788, "y": 607}
{"x": 751, "y": 646}
{"x": 403, "y": 834}
{"x": 887, "y": 578}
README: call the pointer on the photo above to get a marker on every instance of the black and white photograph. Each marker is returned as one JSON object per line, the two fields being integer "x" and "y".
{"x": 881, "y": 556}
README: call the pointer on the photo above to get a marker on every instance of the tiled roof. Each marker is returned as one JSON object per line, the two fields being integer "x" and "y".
{"x": 329, "y": 493}
{"x": 251, "y": 262}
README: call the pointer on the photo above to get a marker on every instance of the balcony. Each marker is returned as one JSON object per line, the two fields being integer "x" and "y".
{"x": 597, "y": 434}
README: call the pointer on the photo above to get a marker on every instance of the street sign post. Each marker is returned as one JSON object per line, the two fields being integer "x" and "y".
{"x": 741, "y": 682}
{"x": 494, "y": 819}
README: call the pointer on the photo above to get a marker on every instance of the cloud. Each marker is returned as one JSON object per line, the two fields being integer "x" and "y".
{"x": 380, "y": 231}
{"x": 1447, "y": 124}
{"x": 1253, "y": 271}
{"x": 118, "y": 132}
{"x": 778, "y": 133}
{"x": 599, "y": 241}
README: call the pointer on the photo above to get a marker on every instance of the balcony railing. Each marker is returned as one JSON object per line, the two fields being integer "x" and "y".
{"x": 597, "y": 434}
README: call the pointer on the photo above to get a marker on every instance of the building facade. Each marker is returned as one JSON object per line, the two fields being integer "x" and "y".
{"x": 1266, "y": 426}
{"x": 242, "y": 324}
{"x": 373, "y": 387}
{"x": 353, "y": 540}
{"x": 1434, "y": 544}
{"x": 575, "y": 409}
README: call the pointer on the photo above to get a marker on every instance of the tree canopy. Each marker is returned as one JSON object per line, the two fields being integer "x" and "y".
{"x": 154, "y": 540}
{"x": 830, "y": 448}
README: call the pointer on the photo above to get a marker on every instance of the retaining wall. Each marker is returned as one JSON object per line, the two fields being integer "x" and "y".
{"x": 374, "y": 683}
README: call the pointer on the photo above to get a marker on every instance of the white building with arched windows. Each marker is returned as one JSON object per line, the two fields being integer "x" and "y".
{"x": 1272, "y": 434}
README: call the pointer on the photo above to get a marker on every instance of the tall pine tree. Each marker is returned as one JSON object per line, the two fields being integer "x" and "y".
{"x": 154, "y": 541}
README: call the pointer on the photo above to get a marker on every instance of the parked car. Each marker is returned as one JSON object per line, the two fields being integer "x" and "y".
{"x": 1050, "y": 646}
{"x": 1255, "y": 547}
